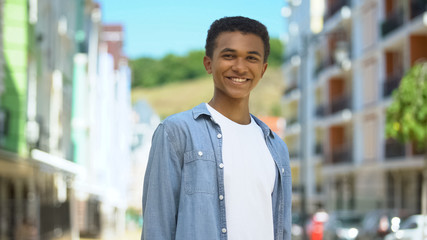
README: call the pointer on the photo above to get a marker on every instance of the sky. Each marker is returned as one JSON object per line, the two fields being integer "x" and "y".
{"x": 154, "y": 28}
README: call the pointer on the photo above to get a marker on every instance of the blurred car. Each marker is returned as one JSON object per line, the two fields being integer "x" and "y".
{"x": 410, "y": 229}
{"x": 378, "y": 223}
{"x": 342, "y": 225}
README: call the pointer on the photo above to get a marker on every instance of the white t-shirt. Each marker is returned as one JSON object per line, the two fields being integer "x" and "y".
{"x": 249, "y": 178}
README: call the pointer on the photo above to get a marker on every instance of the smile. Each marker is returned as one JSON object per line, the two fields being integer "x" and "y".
{"x": 238, "y": 80}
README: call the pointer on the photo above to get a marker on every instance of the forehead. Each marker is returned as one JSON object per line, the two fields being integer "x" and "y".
{"x": 239, "y": 41}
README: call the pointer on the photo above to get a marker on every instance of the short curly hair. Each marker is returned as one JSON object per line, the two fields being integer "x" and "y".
{"x": 236, "y": 24}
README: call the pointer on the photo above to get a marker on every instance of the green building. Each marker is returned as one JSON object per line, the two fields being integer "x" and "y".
{"x": 13, "y": 99}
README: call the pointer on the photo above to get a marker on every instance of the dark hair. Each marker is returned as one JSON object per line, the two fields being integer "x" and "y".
{"x": 233, "y": 24}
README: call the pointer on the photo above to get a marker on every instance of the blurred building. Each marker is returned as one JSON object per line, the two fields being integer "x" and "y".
{"x": 299, "y": 18}
{"x": 64, "y": 121}
{"x": 113, "y": 121}
{"x": 340, "y": 71}
{"x": 17, "y": 185}
{"x": 145, "y": 122}
{"x": 101, "y": 130}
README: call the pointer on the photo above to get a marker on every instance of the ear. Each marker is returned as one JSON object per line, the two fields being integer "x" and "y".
{"x": 208, "y": 64}
{"x": 264, "y": 68}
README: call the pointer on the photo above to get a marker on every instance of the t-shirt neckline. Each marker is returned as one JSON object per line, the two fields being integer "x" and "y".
{"x": 224, "y": 119}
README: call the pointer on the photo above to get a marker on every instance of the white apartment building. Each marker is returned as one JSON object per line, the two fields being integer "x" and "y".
{"x": 339, "y": 83}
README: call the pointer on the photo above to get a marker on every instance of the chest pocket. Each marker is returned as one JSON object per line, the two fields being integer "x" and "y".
{"x": 199, "y": 172}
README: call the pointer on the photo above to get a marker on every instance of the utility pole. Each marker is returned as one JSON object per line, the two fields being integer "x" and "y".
{"x": 305, "y": 116}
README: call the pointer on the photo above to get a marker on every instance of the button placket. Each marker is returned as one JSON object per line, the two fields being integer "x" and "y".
{"x": 221, "y": 166}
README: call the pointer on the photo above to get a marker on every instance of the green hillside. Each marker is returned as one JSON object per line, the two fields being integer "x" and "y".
{"x": 180, "y": 96}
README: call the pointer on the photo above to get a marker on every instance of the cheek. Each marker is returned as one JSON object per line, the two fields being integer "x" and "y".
{"x": 257, "y": 71}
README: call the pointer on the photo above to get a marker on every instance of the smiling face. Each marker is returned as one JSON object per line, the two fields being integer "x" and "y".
{"x": 237, "y": 65}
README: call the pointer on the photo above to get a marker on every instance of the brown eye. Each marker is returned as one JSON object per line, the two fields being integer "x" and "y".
{"x": 252, "y": 58}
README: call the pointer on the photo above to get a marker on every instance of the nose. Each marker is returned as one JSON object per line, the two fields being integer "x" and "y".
{"x": 239, "y": 66}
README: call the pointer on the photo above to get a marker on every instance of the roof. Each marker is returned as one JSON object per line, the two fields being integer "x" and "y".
{"x": 276, "y": 124}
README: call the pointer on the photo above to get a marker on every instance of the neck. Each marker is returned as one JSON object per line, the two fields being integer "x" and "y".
{"x": 236, "y": 110}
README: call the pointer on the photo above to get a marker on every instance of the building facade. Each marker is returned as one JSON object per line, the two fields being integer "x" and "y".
{"x": 15, "y": 173}
{"x": 60, "y": 172}
{"x": 145, "y": 122}
{"x": 296, "y": 101}
{"x": 345, "y": 79}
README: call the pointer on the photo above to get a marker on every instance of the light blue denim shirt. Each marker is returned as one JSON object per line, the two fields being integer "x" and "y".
{"x": 184, "y": 180}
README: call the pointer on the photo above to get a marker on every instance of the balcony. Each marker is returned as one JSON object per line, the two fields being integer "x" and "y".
{"x": 320, "y": 111}
{"x": 390, "y": 84}
{"x": 418, "y": 7}
{"x": 392, "y": 22}
{"x": 394, "y": 149}
{"x": 335, "y": 7}
{"x": 290, "y": 89}
{"x": 293, "y": 154}
{"x": 291, "y": 121}
{"x": 418, "y": 150}
{"x": 318, "y": 149}
{"x": 339, "y": 104}
{"x": 340, "y": 155}
{"x": 327, "y": 62}
{"x": 288, "y": 56}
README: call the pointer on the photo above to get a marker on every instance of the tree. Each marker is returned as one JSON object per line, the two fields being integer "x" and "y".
{"x": 150, "y": 72}
{"x": 276, "y": 52}
{"x": 407, "y": 115}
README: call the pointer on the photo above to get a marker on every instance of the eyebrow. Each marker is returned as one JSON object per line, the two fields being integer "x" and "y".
{"x": 232, "y": 50}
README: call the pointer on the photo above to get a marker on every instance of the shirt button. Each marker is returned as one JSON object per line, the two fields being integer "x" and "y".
{"x": 221, "y": 165}
{"x": 283, "y": 170}
{"x": 221, "y": 197}
{"x": 224, "y": 230}
{"x": 219, "y": 135}
{"x": 200, "y": 153}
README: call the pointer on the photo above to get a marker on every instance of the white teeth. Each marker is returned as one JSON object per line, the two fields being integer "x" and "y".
{"x": 238, "y": 79}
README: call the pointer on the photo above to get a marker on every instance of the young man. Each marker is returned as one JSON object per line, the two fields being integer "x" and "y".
{"x": 216, "y": 171}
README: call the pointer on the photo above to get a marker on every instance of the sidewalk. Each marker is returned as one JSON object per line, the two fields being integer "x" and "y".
{"x": 131, "y": 235}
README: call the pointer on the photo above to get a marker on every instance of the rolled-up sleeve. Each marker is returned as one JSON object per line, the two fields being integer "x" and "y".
{"x": 162, "y": 183}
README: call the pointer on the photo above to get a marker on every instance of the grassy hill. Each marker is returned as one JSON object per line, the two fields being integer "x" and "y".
{"x": 177, "y": 97}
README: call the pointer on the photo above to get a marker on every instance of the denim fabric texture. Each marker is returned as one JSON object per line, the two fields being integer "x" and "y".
{"x": 183, "y": 193}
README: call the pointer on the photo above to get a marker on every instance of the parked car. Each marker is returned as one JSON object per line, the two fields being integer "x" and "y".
{"x": 342, "y": 225}
{"x": 378, "y": 223}
{"x": 315, "y": 225}
{"x": 312, "y": 224}
{"x": 410, "y": 229}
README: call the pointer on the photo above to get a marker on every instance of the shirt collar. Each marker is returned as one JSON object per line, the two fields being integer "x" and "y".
{"x": 201, "y": 109}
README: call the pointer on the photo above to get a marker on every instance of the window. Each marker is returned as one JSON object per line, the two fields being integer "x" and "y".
{"x": 409, "y": 224}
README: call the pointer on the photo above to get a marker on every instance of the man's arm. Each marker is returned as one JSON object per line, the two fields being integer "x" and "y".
{"x": 161, "y": 190}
